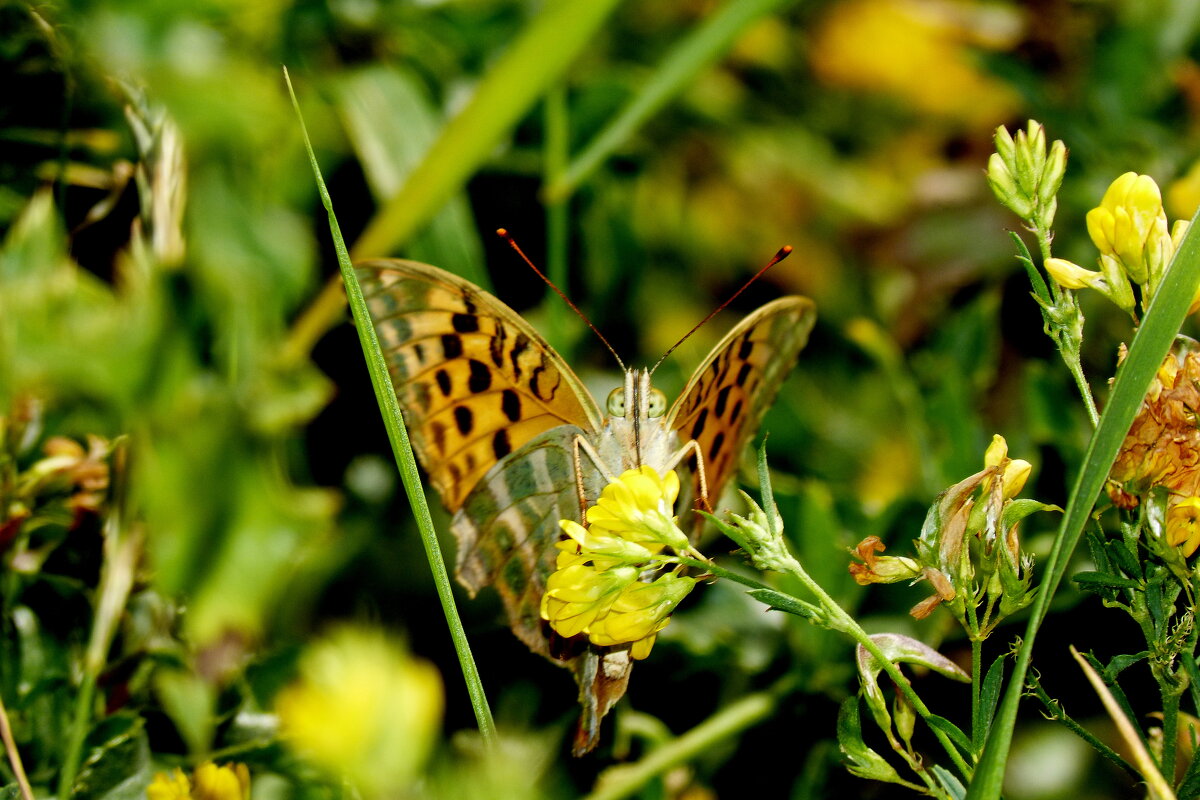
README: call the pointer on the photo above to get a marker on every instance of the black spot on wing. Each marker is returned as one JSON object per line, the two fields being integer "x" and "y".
{"x": 520, "y": 345}
{"x": 722, "y": 399}
{"x": 698, "y": 428}
{"x": 443, "y": 381}
{"x": 464, "y": 323}
{"x": 451, "y": 346}
{"x": 743, "y": 374}
{"x": 419, "y": 352}
{"x": 737, "y": 411}
{"x": 438, "y": 431}
{"x": 464, "y": 419}
{"x": 481, "y": 377}
{"x": 746, "y": 347}
{"x": 715, "y": 447}
{"x": 510, "y": 404}
{"x": 500, "y": 444}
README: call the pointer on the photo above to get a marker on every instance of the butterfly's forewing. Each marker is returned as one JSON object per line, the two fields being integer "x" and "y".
{"x": 724, "y": 402}
{"x": 476, "y": 382}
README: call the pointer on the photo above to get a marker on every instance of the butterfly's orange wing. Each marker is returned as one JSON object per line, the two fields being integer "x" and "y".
{"x": 476, "y": 381}
{"x": 724, "y": 402}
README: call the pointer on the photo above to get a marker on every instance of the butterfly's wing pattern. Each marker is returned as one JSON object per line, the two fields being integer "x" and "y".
{"x": 724, "y": 402}
{"x": 476, "y": 381}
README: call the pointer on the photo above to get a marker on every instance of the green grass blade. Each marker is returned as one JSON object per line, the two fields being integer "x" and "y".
{"x": 1150, "y": 346}
{"x": 534, "y": 62}
{"x": 700, "y": 48}
{"x": 401, "y": 448}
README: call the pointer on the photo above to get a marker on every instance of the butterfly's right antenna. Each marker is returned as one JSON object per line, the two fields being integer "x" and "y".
{"x": 780, "y": 255}
{"x": 503, "y": 234}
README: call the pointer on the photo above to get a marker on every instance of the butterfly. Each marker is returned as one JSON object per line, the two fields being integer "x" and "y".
{"x": 513, "y": 441}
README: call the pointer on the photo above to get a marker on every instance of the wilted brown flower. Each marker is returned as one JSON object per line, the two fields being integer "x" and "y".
{"x": 1162, "y": 448}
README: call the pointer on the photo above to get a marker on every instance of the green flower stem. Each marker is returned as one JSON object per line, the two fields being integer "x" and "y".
{"x": 122, "y": 548}
{"x": 838, "y": 619}
{"x": 1170, "y": 709}
{"x": 627, "y": 779}
{"x": 1068, "y": 342}
{"x": 401, "y": 449}
{"x": 976, "y": 685}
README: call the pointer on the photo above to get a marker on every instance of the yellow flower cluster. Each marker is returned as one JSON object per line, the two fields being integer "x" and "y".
{"x": 1161, "y": 450}
{"x": 208, "y": 782}
{"x": 1130, "y": 230}
{"x": 363, "y": 708}
{"x": 599, "y": 586}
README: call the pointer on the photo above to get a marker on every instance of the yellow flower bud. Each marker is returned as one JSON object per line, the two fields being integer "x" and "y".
{"x": 1015, "y": 475}
{"x": 996, "y": 452}
{"x": 1070, "y": 275}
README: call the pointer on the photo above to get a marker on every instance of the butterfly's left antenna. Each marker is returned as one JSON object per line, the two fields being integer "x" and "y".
{"x": 504, "y": 234}
{"x": 782, "y": 253}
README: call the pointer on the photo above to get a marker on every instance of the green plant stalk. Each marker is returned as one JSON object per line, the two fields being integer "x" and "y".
{"x": 1170, "y": 711}
{"x": 976, "y": 687}
{"x": 839, "y": 620}
{"x": 1150, "y": 345}
{"x": 401, "y": 448}
{"x": 1069, "y": 350}
{"x": 1054, "y": 712}
{"x": 704, "y": 45}
{"x": 122, "y": 549}
{"x": 626, "y": 779}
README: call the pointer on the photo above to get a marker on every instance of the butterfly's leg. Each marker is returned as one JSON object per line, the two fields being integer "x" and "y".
{"x": 582, "y": 444}
{"x": 693, "y": 447}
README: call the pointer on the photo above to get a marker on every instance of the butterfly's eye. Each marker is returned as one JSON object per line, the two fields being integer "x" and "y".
{"x": 616, "y": 402}
{"x": 658, "y": 403}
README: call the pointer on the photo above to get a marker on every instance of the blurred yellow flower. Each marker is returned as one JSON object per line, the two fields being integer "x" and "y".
{"x": 209, "y": 782}
{"x": 173, "y": 785}
{"x": 1183, "y": 195}
{"x": 601, "y": 585}
{"x": 919, "y": 52}
{"x": 364, "y": 708}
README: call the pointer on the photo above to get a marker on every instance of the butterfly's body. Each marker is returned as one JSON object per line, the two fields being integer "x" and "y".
{"x": 514, "y": 442}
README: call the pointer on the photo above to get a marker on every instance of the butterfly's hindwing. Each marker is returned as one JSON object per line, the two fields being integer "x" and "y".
{"x": 725, "y": 400}
{"x": 475, "y": 381}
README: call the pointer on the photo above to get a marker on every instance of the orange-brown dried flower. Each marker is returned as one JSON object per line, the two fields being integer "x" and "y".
{"x": 1162, "y": 448}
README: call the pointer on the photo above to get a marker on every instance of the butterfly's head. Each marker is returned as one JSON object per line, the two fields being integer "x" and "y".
{"x": 636, "y": 397}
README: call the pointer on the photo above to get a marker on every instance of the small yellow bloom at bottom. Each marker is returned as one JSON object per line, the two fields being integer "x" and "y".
{"x": 226, "y": 782}
{"x": 640, "y": 612}
{"x": 1183, "y": 525}
{"x": 173, "y": 785}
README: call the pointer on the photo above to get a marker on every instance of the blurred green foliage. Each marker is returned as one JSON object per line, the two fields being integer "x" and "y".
{"x": 161, "y": 287}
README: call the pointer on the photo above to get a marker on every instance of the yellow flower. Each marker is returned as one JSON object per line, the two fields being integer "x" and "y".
{"x": 169, "y": 786}
{"x": 364, "y": 708}
{"x": 639, "y": 506}
{"x": 640, "y": 612}
{"x": 1183, "y": 525}
{"x": 1130, "y": 226}
{"x": 601, "y": 586}
{"x": 1015, "y": 470}
{"x": 577, "y": 595}
{"x": 226, "y": 782}
{"x": 916, "y": 51}
{"x": 209, "y": 782}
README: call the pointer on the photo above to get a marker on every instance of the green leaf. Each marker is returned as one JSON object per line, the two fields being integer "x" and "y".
{"x": 778, "y": 601}
{"x": 1151, "y": 344}
{"x": 989, "y": 695}
{"x": 861, "y": 760}
{"x": 535, "y": 61}
{"x": 117, "y": 765}
{"x": 1094, "y": 581}
{"x": 953, "y": 731}
{"x": 392, "y": 126}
